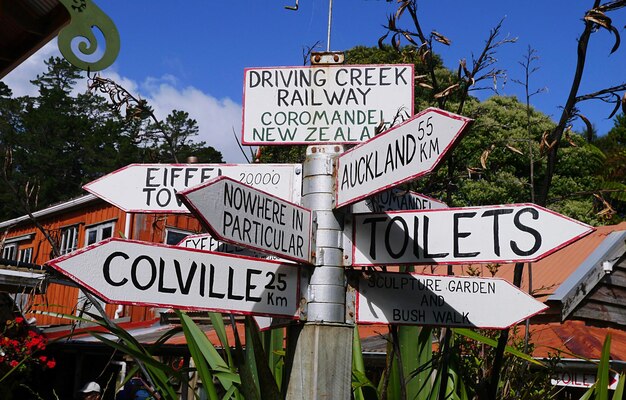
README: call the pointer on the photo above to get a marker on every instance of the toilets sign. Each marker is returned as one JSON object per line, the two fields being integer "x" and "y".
{"x": 323, "y": 104}
{"x": 490, "y": 234}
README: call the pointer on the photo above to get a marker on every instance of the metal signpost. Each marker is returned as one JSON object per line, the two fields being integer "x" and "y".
{"x": 402, "y": 153}
{"x": 323, "y": 104}
{"x": 507, "y": 234}
{"x": 152, "y": 188}
{"x": 239, "y": 214}
{"x": 137, "y": 273}
{"x": 439, "y": 300}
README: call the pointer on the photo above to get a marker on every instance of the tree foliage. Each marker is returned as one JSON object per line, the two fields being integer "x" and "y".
{"x": 55, "y": 142}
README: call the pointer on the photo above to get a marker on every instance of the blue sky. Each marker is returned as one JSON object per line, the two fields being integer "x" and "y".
{"x": 191, "y": 55}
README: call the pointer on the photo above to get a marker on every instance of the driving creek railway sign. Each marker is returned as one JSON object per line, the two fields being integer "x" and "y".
{"x": 323, "y": 104}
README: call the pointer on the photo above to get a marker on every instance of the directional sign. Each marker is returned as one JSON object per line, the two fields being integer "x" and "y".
{"x": 151, "y": 188}
{"x": 402, "y": 153}
{"x": 242, "y": 215}
{"x": 396, "y": 200}
{"x": 323, "y": 104}
{"x": 204, "y": 241}
{"x": 439, "y": 300}
{"x": 138, "y": 273}
{"x": 491, "y": 234}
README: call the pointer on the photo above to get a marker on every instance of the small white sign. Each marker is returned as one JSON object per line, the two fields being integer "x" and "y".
{"x": 581, "y": 379}
{"x": 204, "y": 241}
{"x": 323, "y": 104}
{"x": 490, "y": 234}
{"x": 242, "y": 215}
{"x": 402, "y": 153}
{"x": 147, "y": 274}
{"x": 152, "y": 188}
{"x": 396, "y": 200}
{"x": 439, "y": 300}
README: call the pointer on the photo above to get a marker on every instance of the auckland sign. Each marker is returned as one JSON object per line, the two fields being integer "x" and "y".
{"x": 402, "y": 153}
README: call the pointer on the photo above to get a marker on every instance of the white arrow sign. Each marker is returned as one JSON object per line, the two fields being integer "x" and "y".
{"x": 491, "y": 234}
{"x": 439, "y": 300}
{"x": 152, "y": 188}
{"x": 138, "y": 273}
{"x": 396, "y": 200}
{"x": 242, "y": 215}
{"x": 204, "y": 241}
{"x": 402, "y": 153}
{"x": 323, "y": 104}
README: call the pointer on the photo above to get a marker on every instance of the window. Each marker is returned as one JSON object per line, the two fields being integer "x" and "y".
{"x": 97, "y": 233}
{"x": 26, "y": 255}
{"x": 9, "y": 252}
{"x": 175, "y": 236}
{"x": 69, "y": 239}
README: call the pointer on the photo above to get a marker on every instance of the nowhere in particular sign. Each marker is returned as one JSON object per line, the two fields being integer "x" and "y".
{"x": 239, "y": 214}
{"x": 323, "y": 104}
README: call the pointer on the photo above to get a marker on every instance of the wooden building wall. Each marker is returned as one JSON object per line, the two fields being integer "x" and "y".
{"x": 62, "y": 298}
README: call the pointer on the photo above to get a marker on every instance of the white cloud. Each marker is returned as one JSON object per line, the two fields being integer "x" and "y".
{"x": 217, "y": 118}
{"x": 19, "y": 79}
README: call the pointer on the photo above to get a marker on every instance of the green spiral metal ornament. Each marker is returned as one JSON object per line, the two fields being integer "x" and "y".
{"x": 84, "y": 16}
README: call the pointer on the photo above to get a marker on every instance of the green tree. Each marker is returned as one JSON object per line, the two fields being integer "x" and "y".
{"x": 55, "y": 142}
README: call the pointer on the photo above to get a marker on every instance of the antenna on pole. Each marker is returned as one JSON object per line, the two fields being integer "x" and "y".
{"x": 330, "y": 19}
{"x": 293, "y": 8}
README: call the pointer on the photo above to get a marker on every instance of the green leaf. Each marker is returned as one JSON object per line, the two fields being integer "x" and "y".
{"x": 619, "y": 390}
{"x": 602, "y": 380}
{"x": 219, "y": 367}
{"x": 493, "y": 343}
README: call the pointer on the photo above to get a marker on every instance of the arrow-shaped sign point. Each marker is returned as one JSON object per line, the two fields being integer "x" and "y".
{"x": 402, "y": 153}
{"x": 147, "y": 274}
{"x": 439, "y": 300}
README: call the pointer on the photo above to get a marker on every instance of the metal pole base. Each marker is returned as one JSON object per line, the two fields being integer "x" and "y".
{"x": 322, "y": 363}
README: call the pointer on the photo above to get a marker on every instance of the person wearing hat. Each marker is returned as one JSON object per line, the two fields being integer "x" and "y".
{"x": 91, "y": 391}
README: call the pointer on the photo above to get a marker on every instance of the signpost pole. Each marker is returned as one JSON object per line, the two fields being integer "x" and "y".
{"x": 322, "y": 359}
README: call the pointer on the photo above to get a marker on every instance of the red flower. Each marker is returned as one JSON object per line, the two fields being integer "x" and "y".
{"x": 51, "y": 364}
{"x": 19, "y": 320}
{"x": 43, "y": 358}
{"x": 13, "y": 363}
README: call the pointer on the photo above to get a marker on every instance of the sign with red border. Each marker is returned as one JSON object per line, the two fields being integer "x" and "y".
{"x": 242, "y": 215}
{"x": 442, "y": 300}
{"x": 400, "y": 154}
{"x": 323, "y": 104}
{"x": 147, "y": 274}
{"x": 489, "y": 234}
